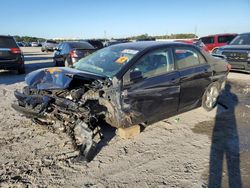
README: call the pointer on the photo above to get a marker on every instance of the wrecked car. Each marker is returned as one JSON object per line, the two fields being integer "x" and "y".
{"x": 122, "y": 85}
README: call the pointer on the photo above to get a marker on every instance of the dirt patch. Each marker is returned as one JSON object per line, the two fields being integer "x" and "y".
{"x": 171, "y": 153}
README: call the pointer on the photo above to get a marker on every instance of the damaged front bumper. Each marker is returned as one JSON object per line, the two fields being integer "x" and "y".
{"x": 79, "y": 105}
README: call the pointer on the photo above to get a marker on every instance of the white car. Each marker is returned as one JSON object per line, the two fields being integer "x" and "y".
{"x": 34, "y": 44}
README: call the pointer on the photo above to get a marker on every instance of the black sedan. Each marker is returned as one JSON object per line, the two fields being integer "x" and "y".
{"x": 67, "y": 53}
{"x": 122, "y": 85}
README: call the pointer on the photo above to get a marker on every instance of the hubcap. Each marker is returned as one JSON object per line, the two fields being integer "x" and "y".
{"x": 211, "y": 97}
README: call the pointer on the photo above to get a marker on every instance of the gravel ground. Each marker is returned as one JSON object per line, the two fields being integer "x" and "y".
{"x": 182, "y": 151}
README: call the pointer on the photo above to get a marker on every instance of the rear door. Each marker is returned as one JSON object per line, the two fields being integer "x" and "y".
{"x": 7, "y": 47}
{"x": 156, "y": 94}
{"x": 194, "y": 76}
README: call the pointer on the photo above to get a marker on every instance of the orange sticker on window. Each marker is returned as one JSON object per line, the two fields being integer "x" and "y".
{"x": 122, "y": 59}
{"x": 54, "y": 69}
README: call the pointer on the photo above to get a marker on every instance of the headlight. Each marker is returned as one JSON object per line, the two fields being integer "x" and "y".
{"x": 218, "y": 52}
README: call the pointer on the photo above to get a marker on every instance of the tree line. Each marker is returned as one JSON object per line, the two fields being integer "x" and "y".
{"x": 28, "y": 39}
{"x": 171, "y": 36}
{"x": 138, "y": 37}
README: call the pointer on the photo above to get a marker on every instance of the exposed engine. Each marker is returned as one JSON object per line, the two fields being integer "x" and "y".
{"x": 76, "y": 111}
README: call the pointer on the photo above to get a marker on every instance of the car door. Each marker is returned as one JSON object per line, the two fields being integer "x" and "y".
{"x": 58, "y": 52}
{"x": 194, "y": 76}
{"x": 153, "y": 94}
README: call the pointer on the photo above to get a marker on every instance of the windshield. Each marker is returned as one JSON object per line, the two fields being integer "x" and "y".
{"x": 107, "y": 61}
{"x": 243, "y": 39}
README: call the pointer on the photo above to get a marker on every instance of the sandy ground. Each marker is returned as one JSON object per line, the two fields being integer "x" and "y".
{"x": 182, "y": 151}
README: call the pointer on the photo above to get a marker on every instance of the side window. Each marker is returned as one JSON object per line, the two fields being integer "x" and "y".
{"x": 60, "y": 47}
{"x": 225, "y": 39}
{"x": 154, "y": 63}
{"x": 186, "y": 57}
{"x": 207, "y": 40}
{"x": 64, "y": 48}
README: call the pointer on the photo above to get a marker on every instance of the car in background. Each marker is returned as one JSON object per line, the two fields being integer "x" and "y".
{"x": 67, "y": 53}
{"x": 34, "y": 44}
{"x": 113, "y": 42}
{"x": 20, "y": 44}
{"x": 212, "y": 42}
{"x": 237, "y": 52}
{"x": 137, "y": 83}
{"x": 11, "y": 57}
{"x": 195, "y": 42}
{"x": 96, "y": 43}
{"x": 49, "y": 45}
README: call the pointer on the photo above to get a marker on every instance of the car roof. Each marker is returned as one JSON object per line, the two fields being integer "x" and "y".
{"x": 6, "y": 36}
{"x": 147, "y": 44}
{"x": 222, "y": 34}
{"x": 248, "y": 33}
{"x": 74, "y": 42}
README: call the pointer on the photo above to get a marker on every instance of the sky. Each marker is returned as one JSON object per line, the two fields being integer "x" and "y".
{"x": 122, "y": 18}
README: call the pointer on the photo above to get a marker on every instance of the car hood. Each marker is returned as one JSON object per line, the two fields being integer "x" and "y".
{"x": 236, "y": 47}
{"x": 57, "y": 78}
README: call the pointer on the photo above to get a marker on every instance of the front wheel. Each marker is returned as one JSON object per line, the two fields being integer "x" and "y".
{"x": 209, "y": 100}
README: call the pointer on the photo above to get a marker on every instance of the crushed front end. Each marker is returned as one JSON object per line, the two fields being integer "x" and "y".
{"x": 72, "y": 101}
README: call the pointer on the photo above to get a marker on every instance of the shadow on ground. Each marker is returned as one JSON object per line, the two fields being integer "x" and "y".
{"x": 225, "y": 145}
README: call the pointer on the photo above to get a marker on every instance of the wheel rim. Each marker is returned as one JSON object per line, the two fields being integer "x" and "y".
{"x": 211, "y": 96}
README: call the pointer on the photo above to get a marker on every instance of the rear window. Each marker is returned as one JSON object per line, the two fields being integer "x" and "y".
{"x": 7, "y": 42}
{"x": 207, "y": 40}
{"x": 225, "y": 39}
{"x": 81, "y": 45}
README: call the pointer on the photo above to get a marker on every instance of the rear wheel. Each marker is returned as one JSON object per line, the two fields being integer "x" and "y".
{"x": 21, "y": 69}
{"x": 209, "y": 100}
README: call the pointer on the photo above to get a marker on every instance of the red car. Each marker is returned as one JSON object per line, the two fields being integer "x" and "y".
{"x": 195, "y": 42}
{"x": 212, "y": 42}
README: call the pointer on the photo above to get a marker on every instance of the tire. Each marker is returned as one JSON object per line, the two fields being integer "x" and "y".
{"x": 209, "y": 99}
{"x": 56, "y": 64}
{"x": 21, "y": 69}
{"x": 83, "y": 139}
{"x": 66, "y": 63}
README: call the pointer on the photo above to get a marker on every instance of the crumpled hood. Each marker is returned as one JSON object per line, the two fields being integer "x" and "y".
{"x": 236, "y": 47}
{"x": 57, "y": 77}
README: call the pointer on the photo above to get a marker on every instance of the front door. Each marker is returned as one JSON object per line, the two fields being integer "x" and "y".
{"x": 155, "y": 95}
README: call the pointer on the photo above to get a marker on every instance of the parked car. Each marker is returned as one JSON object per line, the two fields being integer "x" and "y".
{"x": 11, "y": 57}
{"x": 49, "y": 45}
{"x": 212, "y": 42}
{"x": 237, "y": 52}
{"x": 197, "y": 43}
{"x": 123, "y": 85}
{"x": 34, "y": 44}
{"x": 97, "y": 44}
{"x": 20, "y": 44}
{"x": 67, "y": 53}
{"x": 113, "y": 42}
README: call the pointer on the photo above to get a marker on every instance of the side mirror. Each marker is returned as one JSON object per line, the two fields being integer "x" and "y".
{"x": 135, "y": 76}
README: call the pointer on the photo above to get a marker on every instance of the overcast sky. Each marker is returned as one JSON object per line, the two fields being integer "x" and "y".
{"x": 122, "y": 18}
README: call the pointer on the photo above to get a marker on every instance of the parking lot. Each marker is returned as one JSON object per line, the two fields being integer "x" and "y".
{"x": 192, "y": 149}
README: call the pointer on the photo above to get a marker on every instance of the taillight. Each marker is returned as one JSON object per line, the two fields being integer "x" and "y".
{"x": 15, "y": 50}
{"x": 73, "y": 54}
{"x": 229, "y": 67}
